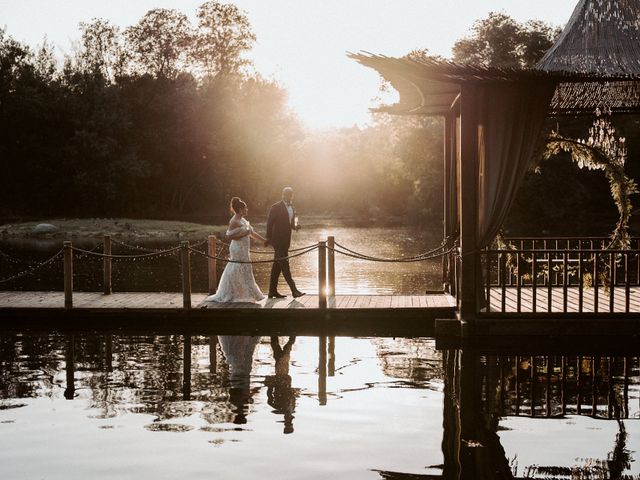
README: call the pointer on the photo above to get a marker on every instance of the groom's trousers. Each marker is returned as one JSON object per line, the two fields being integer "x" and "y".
{"x": 281, "y": 266}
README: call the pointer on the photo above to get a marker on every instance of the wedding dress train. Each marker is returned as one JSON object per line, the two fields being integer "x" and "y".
{"x": 237, "y": 283}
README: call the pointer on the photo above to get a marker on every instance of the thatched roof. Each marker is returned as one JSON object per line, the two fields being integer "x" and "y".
{"x": 595, "y": 63}
{"x": 602, "y": 37}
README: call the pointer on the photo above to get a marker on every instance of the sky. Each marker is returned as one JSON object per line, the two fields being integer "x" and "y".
{"x": 302, "y": 43}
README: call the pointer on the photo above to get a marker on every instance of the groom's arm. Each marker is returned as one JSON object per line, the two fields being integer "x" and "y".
{"x": 270, "y": 221}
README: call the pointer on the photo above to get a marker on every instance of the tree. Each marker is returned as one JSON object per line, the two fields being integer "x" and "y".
{"x": 159, "y": 43}
{"x": 102, "y": 50}
{"x": 224, "y": 34}
{"x": 500, "y": 41}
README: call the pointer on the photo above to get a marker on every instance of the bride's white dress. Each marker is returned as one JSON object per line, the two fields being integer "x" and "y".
{"x": 237, "y": 283}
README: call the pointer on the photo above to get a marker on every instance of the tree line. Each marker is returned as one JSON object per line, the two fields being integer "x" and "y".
{"x": 168, "y": 119}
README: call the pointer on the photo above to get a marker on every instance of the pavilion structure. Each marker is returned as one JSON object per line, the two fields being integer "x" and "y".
{"x": 493, "y": 120}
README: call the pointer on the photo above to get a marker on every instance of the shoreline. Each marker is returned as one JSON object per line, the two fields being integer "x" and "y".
{"x": 150, "y": 229}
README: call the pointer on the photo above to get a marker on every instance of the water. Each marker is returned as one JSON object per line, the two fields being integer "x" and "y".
{"x": 124, "y": 406}
{"x": 163, "y": 274}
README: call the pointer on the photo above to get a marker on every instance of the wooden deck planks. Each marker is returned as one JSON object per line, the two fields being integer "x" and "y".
{"x": 173, "y": 300}
{"x": 557, "y": 303}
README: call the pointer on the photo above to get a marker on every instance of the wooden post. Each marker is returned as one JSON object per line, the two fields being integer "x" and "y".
{"x": 213, "y": 264}
{"x": 322, "y": 274}
{"x": 106, "y": 263}
{"x": 331, "y": 266}
{"x": 468, "y": 162}
{"x": 186, "y": 275}
{"x": 449, "y": 193}
{"x": 68, "y": 274}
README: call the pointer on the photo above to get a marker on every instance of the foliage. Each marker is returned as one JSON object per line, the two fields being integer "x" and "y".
{"x": 602, "y": 151}
{"x": 501, "y": 41}
{"x": 134, "y": 123}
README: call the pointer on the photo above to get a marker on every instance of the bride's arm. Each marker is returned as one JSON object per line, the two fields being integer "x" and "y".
{"x": 237, "y": 231}
{"x": 257, "y": 236}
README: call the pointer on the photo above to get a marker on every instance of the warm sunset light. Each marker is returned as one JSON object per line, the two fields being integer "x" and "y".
{"x": 318, "y": 239}
{"x": 302, "y": 44}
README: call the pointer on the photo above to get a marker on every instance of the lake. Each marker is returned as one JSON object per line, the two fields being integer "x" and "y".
{"x": 130, "y": 407}
{"x": 353, "y": 276}
{"x": 127, "y": 406}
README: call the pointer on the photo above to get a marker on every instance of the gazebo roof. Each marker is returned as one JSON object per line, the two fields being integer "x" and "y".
{"x": 595, "y": 63}
{"x": 602, "y": 37}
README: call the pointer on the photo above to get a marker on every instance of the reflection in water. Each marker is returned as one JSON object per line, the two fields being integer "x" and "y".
{"x": 460, "y": 414}
{"x": 238, "y": 350}
{"x": 482, "y": 392}
{"x": 280, "y": 394}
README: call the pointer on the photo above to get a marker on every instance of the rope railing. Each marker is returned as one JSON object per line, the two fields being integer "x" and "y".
{"x": 269, "y": 252}
{"x": 151, "y": 250}
{"x": 326, "y": 262}
{"x": 32, "y": 269}
{"x": 273, "y": 260}
{"x": 436, "y": 252}
{"x": 158, "y": 253}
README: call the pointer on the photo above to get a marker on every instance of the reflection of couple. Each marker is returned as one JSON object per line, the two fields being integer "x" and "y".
{"x": 237, "y": 283}
{"x": 238, "y": 350}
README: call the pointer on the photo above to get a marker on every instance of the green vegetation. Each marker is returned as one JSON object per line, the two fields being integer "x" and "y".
{"x": 121, "y": 227}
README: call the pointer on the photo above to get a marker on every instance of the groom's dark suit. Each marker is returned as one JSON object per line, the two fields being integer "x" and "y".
{"x": 279, "y": 227}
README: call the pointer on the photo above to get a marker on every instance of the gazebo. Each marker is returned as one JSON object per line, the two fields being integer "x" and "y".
{"x": 493, "y": 120}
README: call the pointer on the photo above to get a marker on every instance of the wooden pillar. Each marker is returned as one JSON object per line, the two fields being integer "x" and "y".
{"x": 212, "y": 243}
{"x": 331, "y": 266}
{"x": 449, "y": 155}
{"x": 68, "y": 274}
{"x": 322, "y": 274}
{"x": 186, "y": 275}
{"x": 468, "y": 204}
{"x": 106, "y": 265}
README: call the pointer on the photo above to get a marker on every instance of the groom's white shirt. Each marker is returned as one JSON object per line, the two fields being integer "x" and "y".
{"x": 290, "y": 210}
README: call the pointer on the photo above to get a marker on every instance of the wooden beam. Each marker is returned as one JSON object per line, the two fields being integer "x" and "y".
{"x": 467, "y": 163}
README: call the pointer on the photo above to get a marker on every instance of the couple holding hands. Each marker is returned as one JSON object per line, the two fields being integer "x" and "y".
{"x": 237, "y": 283}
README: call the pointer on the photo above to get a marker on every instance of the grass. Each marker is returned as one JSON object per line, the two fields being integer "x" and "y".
{"x": 117, "y": 227}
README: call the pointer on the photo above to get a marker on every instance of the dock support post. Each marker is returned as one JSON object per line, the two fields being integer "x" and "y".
{"x": 331, "y": 266}
{"x": 106, "y": 263}
{"x": 186, "y": 275}
{"x": 211, "y": 261}
{"x": 322, "y": 274}
{"x": 68, "y": 274}
{"x": 468, "y": 205}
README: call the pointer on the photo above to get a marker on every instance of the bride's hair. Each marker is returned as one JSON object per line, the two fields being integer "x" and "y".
{"x": 237, "y": 204}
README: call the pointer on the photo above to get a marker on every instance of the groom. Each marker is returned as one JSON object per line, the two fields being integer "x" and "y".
{"x": 280, "y": 222}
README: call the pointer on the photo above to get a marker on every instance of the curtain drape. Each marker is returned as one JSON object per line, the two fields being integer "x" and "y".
{"x": 510, "y": 120}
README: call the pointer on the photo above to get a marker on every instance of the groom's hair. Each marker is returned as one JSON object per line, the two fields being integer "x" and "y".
{"x": 237, "y": 204}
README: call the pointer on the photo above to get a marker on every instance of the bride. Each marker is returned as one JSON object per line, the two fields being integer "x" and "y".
{"x": 237, "y": 283}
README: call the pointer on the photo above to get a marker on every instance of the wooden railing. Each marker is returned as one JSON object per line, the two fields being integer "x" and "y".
{"x": 577, "y": 280}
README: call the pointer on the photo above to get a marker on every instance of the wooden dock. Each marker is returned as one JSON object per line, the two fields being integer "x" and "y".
{"x": 160, "y": 312}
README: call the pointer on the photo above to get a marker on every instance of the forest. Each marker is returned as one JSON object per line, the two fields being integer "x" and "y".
{"x": 168, "y": 119}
